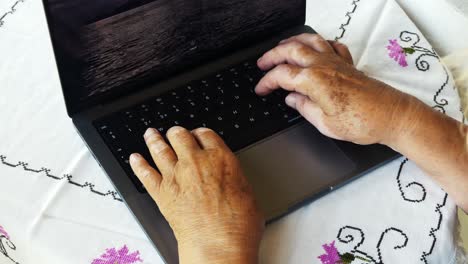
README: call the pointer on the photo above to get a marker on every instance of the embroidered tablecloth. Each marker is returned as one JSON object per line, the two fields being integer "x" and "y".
{"x": 57, "y": 206}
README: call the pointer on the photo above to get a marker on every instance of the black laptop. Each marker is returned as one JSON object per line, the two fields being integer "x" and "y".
{"x": 128, "y": 65}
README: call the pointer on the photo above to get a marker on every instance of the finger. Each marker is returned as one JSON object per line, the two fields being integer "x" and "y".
{"x": 311, "y": 112}
{"x": 163, "y": 155}
{"x": 208, "y": 139}
{"x": 314, "y": 41}
{"x": 294, "y": 52}
{"x": 148, "y": 176}
{"x": 288, "y": 77}
{"x": 343, "y": 51}
{"x": 182, "y": 141}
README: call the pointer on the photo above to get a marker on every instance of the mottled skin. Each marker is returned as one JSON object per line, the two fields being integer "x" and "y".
{"x": 343, "y": 103}
{"x": 328, "y": 90}
{"x": 203, "y": 193}
{"x": 204, "y": 196}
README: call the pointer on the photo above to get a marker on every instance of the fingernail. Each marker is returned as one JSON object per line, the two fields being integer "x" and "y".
{"x": 135, "y": 157}
{"x": 175, "y": 129}
{"x": 201, "y": 130}
{"x": 256, "y": 90}
{"x": 291, "y": 100}
{"x": 150, "y": 132}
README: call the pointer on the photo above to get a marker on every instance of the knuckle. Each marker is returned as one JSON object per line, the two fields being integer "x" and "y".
{"x": 152, "y": 185}
{"x": 154, "y": 139}
{"x": 291, "y": 71}
{"x": 311, "y": 72}
{"x": 146, "y": 173}
{"x": 203, "y": 131}
{"x": 276, "y": 51}
{"x": 165, "y": 153}
{"x": 306, "y": 60}
{"x": 317, "y": 37}
{"x": 304, "y": 35}
{"x": 282, "y": 68}
{"x": 341, "y": 44}
{"x": 297, "y": 47}
{"x": 302, "y": 52}
{"x": 269, "y": 80}
{"x": 159, "y": 147}
{"x": 300, "y": 104}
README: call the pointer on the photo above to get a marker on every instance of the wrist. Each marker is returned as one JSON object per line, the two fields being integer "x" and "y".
{"x": 215, "y": 253}
{"x": 419, "y": 124}
{"x": 406, "y": 118}
{"x": 240, "y": 246}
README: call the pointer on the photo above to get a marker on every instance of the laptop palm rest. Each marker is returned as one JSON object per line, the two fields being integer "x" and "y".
{"x": 293, "y": 166}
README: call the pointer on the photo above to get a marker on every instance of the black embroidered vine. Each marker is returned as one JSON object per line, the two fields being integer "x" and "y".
{"x": 10, "y": 12}
{"x": 433, "y": 230}
{"x": 423, "y": 65}
{"x": 395, "y": 247}
{"x": 348, "y": 19}
{"x": 414, "y": 39}
{"x": 67, "y": 177}
{"x": 6, "y": 241}
{"x": 349, "y": 237}
{"x": 413, "y": 183}
{"x": 439, "y": 104}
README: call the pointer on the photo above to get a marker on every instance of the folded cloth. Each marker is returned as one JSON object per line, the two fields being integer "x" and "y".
{"x": 461, "y": 5}
{"x": 57, "y": 206}
{"x": 443, "y": 25}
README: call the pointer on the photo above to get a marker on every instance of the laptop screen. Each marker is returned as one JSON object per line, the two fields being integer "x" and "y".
{"x": 117, "y": 45}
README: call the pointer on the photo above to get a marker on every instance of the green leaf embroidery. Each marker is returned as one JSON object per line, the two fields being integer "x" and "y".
{"x": 408, "y": 50}
{"x": 347, "y": 258}
{"x": 363, "y": 259}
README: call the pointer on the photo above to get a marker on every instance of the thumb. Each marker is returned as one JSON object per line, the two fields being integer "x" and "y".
{"x": 311, "y": 112}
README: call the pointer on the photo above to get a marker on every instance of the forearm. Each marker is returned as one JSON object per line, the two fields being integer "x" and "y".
{"x": 438, "y": 145}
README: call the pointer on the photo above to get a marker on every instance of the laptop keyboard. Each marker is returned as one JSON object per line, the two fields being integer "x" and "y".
{"x": 225, "y": 102}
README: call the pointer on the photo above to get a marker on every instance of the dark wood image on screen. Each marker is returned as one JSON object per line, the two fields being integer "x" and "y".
{"x": 148, "y": 40}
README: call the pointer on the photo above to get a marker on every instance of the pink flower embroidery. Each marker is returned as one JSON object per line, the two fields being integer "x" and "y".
{"x": 4, "y": 233}
{"x": 121, "y": 256}
{"x": 332, "y": 256}
{"x": 398, "y": 53}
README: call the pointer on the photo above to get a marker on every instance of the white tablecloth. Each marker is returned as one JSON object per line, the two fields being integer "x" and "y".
{"x": 57, "y": 206}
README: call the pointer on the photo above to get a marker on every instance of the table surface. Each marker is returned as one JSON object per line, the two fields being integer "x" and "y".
{"x": 57, "y": 206}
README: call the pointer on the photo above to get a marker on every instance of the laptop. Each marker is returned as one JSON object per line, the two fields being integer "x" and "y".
{"x": 127, "y": 65}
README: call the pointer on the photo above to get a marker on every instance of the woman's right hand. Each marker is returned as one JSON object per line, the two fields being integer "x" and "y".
{"x": 339, "y": 100}
{"x": 345, "y": 104}
{"x": 204, "y": 195}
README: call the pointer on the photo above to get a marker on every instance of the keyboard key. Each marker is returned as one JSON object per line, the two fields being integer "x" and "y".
{"x": 225, "y": 102}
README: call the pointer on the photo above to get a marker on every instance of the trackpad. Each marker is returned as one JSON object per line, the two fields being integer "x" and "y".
{"x": 293, "y": 166}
